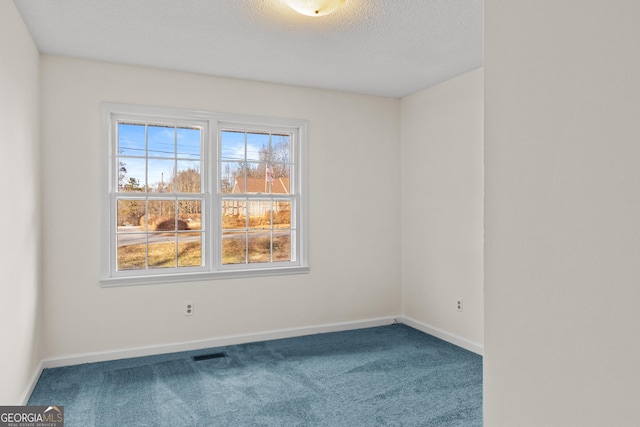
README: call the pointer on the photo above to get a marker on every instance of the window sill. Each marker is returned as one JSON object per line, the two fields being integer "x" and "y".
{"x": 200, "y": 276}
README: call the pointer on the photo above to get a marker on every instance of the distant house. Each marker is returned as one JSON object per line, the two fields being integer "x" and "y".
{"x": 249, "y": 185}
{"x": 260, "y": 186}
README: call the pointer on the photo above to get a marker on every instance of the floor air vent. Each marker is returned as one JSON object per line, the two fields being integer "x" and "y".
{"x": 209, "y": 356}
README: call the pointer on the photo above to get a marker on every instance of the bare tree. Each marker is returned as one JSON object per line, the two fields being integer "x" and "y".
{"x": 277, "y": 158}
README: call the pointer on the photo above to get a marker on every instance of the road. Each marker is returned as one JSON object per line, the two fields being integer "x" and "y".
{"x": 137, "y": 237}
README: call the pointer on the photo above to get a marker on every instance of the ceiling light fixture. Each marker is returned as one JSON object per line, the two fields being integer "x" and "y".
{"x": 315, "y": 7}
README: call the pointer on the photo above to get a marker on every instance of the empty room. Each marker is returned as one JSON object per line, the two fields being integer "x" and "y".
{"x": 341, "y": 212}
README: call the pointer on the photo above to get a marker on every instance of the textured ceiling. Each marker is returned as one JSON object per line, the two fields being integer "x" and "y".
{"x": 378, "y": 47}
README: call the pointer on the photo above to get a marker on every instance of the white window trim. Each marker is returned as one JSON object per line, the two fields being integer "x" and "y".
{"x": 210, "y": 153}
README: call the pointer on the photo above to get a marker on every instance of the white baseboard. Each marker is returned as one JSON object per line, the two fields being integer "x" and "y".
{"x": 443, "y": 335}
{"x": 31, "y": 385}
{"x": 77, "y": 359}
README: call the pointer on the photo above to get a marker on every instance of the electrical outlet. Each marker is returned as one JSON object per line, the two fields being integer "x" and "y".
{"x": 459, "y": 304}
{"x": 188, "y": 308}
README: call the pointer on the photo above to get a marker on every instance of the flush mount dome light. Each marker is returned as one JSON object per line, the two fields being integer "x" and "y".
{"x": 315, "y": 7}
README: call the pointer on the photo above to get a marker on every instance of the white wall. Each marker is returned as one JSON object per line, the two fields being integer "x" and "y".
{"x": 354, "y": 160}
{"x": 562, "y": 213}
{"x": 20, "y": 349}
{"x": 441, "y": 170}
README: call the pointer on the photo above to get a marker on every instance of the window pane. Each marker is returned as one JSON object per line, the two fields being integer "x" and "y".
{"x": 281, "y": 245}
{"x": 131, "y": 174}
{"x": 129, "y": 214}
{"x": 234, "y": 248}
{"x": 132, "y": 251}
{"x": 229, "y": 174}
{"x": 255, "y": 178}
{"x": 188, "y": 143}
{"x": 162, "y": 216}
{"x": 162, "y": 141}
{"x": 281, "y": 214}
{"x": 190, "y": 212}
{"x": 232, "y": 145}
{"x": 260, "y": 214}
{"x": 280, "y": 182}
{"x": 259, "y": 246}
{"x": 188, "y": 179}
{"x": 280, "y": 148}
{"x": 190, "y": 250}
{"x": 258, "y": 147}
{"x": 131, "y": 140}
{"x": 234, "y": 214}
{"x": 162, "y": 250}
{"x": 160, "y": 175}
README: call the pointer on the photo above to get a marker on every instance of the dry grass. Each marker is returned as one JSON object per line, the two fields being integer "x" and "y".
{"x": 234, "y": 250}
{"x": 161, "y": 255}
{"x": 281, "y": 219}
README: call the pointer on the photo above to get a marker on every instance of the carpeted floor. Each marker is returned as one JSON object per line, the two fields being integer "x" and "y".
{"x": 385, "y": 376}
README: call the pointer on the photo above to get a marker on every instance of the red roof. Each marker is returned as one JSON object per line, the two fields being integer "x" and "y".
{"x": 260, "y": 185}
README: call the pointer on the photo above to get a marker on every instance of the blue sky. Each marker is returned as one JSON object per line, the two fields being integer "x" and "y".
{"x": 162, "y": 145}
{"x": 232, "y": 145}
{"x": 165, "y": 144}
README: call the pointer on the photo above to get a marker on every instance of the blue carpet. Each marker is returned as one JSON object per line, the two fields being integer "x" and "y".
{"x": 385, "y": 376}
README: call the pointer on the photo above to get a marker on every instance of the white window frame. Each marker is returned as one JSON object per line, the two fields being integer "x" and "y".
{"x": 211, "y": 124}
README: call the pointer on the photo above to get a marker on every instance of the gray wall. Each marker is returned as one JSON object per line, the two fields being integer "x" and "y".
{"x": 442, "y": 194}
{"x": 562, "y": 213}
{"x": 20, "y": 305}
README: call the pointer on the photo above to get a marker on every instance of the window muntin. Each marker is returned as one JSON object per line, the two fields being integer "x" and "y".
{"x": 168, "y": 222}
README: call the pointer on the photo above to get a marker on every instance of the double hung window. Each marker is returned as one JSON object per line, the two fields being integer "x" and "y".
{"x": 194, "y": 195}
